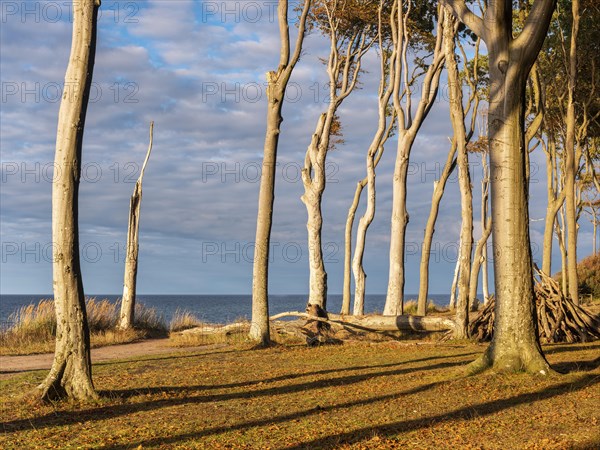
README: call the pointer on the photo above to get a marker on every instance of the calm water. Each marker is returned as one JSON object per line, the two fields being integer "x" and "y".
{"x": 212, "y": 308}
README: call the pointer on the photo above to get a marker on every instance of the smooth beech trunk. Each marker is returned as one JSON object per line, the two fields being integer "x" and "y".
{"x": 554, "y": 203}
{"x": 126, "y": 317}
{"x": 515, "y": 344}
{"x": 572, "y": 163}
{"x": 438, "y": 191}
{"x": 71, "y": 372}
{"x": 277, "y": 84}
{"x": 457, "y": 117}
{"x": 408, "y": 127}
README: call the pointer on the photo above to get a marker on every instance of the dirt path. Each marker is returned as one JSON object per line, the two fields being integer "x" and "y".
{"x": 12, "y": 365}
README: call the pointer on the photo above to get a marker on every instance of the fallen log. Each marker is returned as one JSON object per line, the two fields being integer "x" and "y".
{"x": 379, "y": 323}
{"x": 217, "y": 329}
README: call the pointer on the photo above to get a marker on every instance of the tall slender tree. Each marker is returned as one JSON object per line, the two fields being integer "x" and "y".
{"x": 277, "y": 84}
{"x": 351, "y": 30}
{"x": 71, "y": 372}
{"x": 409, "y": 123}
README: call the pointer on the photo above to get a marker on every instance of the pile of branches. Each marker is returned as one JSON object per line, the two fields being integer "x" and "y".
{"x": 559, "y": 319}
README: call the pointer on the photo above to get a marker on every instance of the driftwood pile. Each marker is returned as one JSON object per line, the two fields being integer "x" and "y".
{"x": 559, "y": 319}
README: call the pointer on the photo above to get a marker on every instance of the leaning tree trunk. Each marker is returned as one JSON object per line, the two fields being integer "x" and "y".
{"x": 478, "y": 260}
{"x": 457, "y": 115}
{"x": 438, "y": 192}
{"x": 554, "y": 203}
{"x": 515, "y": 344}
{"x": 126, "y": 318}
{"x": 453, "y": 288}
{"x": 485, "y": 189}
{"x": 277, "y": 84}
{"x": 71, "y": 372}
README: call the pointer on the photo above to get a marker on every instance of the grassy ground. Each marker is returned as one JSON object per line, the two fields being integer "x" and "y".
{"x": 361, "y": 395}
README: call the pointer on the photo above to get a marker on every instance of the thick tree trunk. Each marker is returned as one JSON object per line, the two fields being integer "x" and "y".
{"x": 515, "y": 344}
{"x": 277, "y": 84}
{"x": 71, "y": 372}
{"x": 126, "y": 318}
{"x": 436, "y": 198}
{"x": 457, "y": 116}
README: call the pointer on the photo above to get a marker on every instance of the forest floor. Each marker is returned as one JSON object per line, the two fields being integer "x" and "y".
{"x": 395, "y": 394}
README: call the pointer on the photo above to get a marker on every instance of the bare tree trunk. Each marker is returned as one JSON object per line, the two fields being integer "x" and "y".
{"x": 408, "y": 127}
{"x": 555, "y": 202}
{"x": 515, "y": 345}
{"x": 454, "y": 288}
{"x": 71, "y": 372}
{"x": 277, "y": 84}
{"x": 346, "y": 295}
{"x": 343, "y": 69}
{"x": 313, "y": 177}
{"x": 457, "y": 116}
{"x": 478, "y": 260}
{"x": 560, "y": 233}
{"x": 485, "y": 189}
{"x": 436, "y": 198}
{"x": 126, "y": 319}
{"x": 570, "y": 163}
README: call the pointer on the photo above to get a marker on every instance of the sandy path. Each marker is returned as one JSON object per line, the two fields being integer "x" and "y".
{"x": 12, "y": 365}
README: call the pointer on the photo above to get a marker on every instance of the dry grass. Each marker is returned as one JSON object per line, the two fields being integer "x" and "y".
{"x": 34, "y": 328}
{"x": 410, "y": 307}
{"x": 184, "y": 320}
{"x": 360, "y": 396}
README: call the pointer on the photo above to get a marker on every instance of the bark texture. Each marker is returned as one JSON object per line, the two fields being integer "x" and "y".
{"x": 126, "y": 317}
{"x": 515, "y": 343}
{"x": 71, "y": 372}
{"x": 277, "y": 84}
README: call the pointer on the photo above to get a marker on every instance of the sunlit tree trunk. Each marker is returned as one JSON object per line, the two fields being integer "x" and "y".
{"x": 571, "y": 163}
{"x": 277, "y": 84}
{"x": 515, "y": 344}
{"x": 408, "y": 127}
{"x": 343, "y": 69}
{"x": 438, "y": 192}
{"x": 71, "y": 372}
{"x": 457, "y": 116}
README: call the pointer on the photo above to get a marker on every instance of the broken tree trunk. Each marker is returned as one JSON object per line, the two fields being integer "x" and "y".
{"x": 126, "y": 317}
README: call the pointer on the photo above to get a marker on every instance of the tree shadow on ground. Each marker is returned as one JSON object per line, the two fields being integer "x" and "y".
{"x": 388, "y": 430}
{"x": 127, "y": 393}
{"x": 58, "y": 418}
{"x": 576, "y": 366}
{"x": 550, "y": 349}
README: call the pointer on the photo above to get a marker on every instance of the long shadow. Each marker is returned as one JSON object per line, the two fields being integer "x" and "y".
{"x": 127, "y": 393}
{"x": 577, "y": 366}
{"x": 483, "y": 409}
{"x": 273, "y": 420}
{"x": 350, "y": 437}
{"x": 108, "y": 412}
{"x": 561, "y": 348}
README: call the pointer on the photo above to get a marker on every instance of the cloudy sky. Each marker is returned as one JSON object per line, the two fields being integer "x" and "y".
{"x": 197, "y": 69}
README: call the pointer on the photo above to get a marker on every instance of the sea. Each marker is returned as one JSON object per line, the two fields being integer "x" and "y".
{"x": 218, "y": 309}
